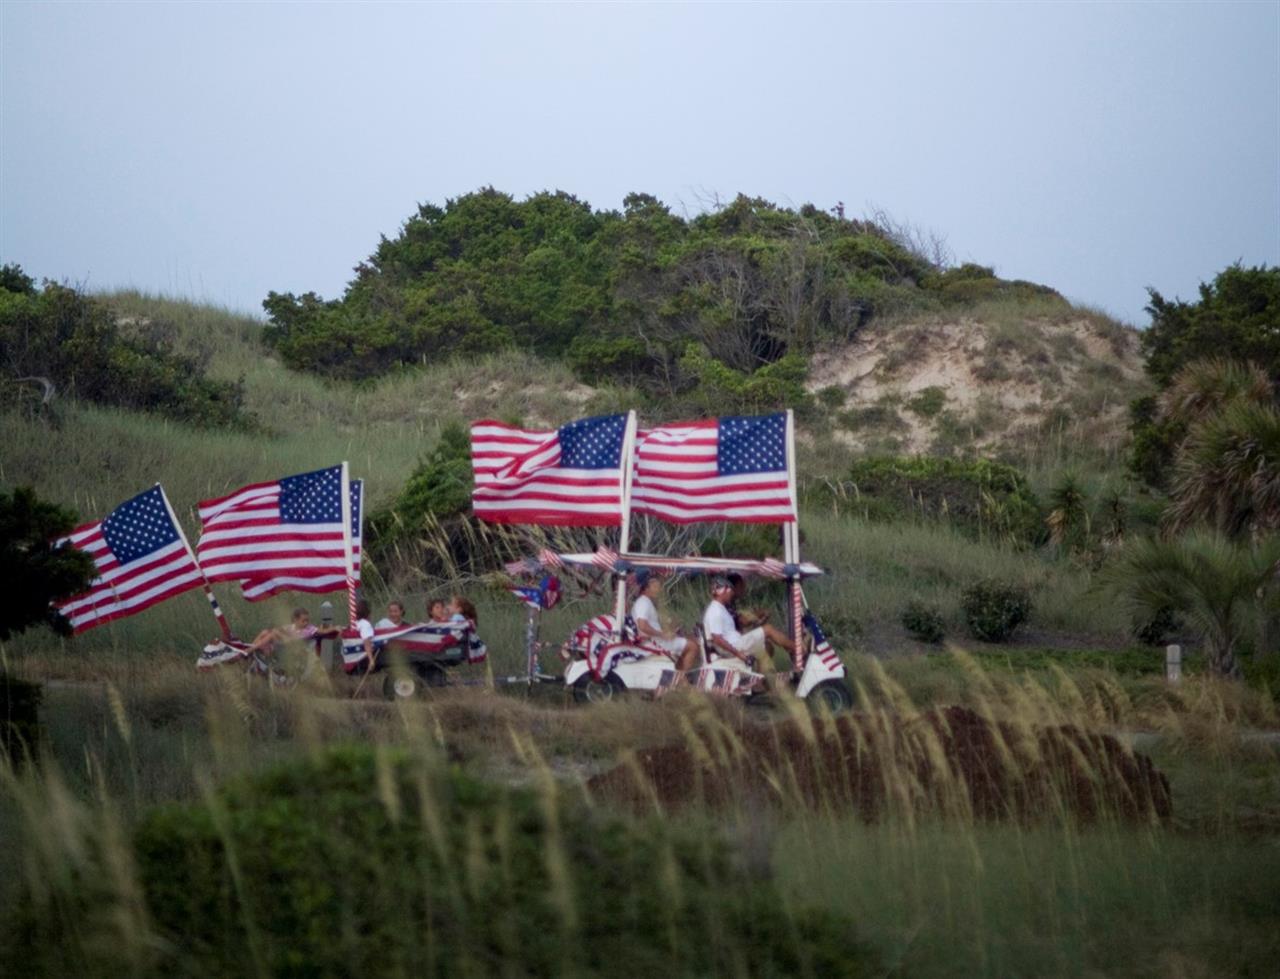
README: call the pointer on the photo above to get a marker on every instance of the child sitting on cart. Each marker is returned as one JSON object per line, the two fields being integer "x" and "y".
{"x": 299, "y": 628}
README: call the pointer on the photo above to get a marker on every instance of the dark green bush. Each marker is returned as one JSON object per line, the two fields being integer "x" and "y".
{"x": 1155, "y": 629}
{"x": 19, "y": 718}
{"x": 994, "y": 609}
{"x": 73, "y": 340}
{"x": 924, "y": 621}
{"x": 33, "y": 573}
{"x": 363, "y": 863}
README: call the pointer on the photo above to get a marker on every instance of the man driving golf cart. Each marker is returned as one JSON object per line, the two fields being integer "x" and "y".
{"x": 724, "y": 639}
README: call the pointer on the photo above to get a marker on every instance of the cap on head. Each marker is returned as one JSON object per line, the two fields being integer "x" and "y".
{"x": 643, "y": 577}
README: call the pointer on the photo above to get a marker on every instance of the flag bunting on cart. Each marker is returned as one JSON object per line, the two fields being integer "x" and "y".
{"x": 730, "y": 469}
{"x": 284, "y": 535}
{"x": 821, "y": 646}
{"x": 568, "y": 477}
{"x": 141, "y": 556}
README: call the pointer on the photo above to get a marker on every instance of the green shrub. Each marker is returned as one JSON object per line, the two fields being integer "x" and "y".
{"x": 1155, "y": 629}
{"x": 924, "y": 621}
{"x": 928, "y": 402}
{"x": 368, "y": 862}
{"x": 33, "y": 572}
{"x": 994, "y": 609}
{"x": 19, "y": 718}
{"x": 74, "y": 340}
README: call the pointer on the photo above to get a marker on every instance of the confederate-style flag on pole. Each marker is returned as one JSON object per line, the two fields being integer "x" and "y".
{"x": 568, "y": 477}
{"x": 723, "y": 469}
{"x": 142, "y": 559}
{"x": 285, "y": 535}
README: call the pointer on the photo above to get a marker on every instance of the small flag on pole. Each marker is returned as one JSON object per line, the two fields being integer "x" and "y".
{"x": 142, "y": 559}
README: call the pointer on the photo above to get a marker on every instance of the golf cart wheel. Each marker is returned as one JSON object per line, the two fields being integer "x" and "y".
{"x": 399, "y": 686}
{"x": 403, "y": 683}
{"x": 589, "y": 690}
{"x": 830, "y": 696}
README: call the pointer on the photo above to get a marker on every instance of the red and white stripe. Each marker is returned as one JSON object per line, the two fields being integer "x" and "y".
{"x": 245, "y": 540}
{"x": 126, "y": 589}
{"x": 677, "y": 478}
{"x": 518, "y": 479}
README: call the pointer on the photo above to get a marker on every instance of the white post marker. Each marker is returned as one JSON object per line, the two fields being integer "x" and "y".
{"x": 626, "y": 468}
{"x": 223, "y": 626}
{"x": 1173, "y": 663}
{"x": 349, "y": 561}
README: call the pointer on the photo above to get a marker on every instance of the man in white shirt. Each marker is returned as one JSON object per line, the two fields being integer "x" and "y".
{"x": 723, "y": 636}
{"x": 645, "y": 612}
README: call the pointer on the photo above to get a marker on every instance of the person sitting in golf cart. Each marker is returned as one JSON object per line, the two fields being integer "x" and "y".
{"x": 723, "y": 637}
{"x": 299, "y": 628}
{"x": 645, "y": 613}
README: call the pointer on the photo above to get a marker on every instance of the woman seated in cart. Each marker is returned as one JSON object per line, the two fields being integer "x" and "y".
{"x": 645, "y": 613}
{"x": 723, "y": 637}
{"x": 299, "y": 628}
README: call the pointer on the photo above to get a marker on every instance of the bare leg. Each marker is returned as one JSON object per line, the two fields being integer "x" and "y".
{"x": 688, "y": 656}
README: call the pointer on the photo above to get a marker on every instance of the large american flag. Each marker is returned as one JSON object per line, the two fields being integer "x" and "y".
{"x": 568, "y": 477}
{"x": 281, "y": 536}
{"x": 727, "y": 469}
{"x": 142, "y": 558}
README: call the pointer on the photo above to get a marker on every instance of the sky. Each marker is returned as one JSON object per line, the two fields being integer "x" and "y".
{"x": 218, "y": 151}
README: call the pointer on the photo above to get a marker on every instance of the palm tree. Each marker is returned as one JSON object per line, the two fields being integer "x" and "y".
{"x": 1220, "y": 586}
{"x": 1228, "y": 472}
{"x": 1205, "y": 387}
{"x": 1227, "y": 465}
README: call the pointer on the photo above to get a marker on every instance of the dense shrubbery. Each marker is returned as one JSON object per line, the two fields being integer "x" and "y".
{"x": 1234, "y": 319}
{"x": 33, "y": 572}
{"x": 994, "y": 609}
{"x": 924, "y": 621}
{"x": 361, "y": 862}
{"x": 74, "y": 340}
{"x": 724, "y": 307}
{"x": 978, "y": 496}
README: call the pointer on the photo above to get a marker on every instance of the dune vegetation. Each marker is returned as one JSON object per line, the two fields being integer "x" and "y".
{"x": 1017, "y": 791}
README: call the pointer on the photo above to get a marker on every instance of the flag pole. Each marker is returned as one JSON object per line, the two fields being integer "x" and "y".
{"x": 347, "y": 545}
{"x": 791, "y": 549}
{"x": 624, "y": 531}
{"x": 223, "y": 626}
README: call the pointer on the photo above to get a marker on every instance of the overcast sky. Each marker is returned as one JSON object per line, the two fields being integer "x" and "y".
{"x": 220, "y": 150}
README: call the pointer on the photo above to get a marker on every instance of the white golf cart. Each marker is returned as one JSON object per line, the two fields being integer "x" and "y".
{"x": 603, "y": 661}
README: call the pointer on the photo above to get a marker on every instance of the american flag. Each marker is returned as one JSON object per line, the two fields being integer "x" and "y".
{"x": 142, "y": 558}
{"x": 568, "y": 477}
{"x": 821, "y": 647}
{"x": 281, "y": 536}
{"x": 730, "y": 469}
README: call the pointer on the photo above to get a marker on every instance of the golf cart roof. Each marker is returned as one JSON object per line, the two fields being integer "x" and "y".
{"x": 769, "y": 567}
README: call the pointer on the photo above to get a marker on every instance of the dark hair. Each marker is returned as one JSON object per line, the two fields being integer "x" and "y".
{"x": 301, "y": 610}
{"x": 467, "y": 608}
{"x": 736, "y": 580}
{"x": 397, "y": 603}
{"x": 362, "y": 609}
